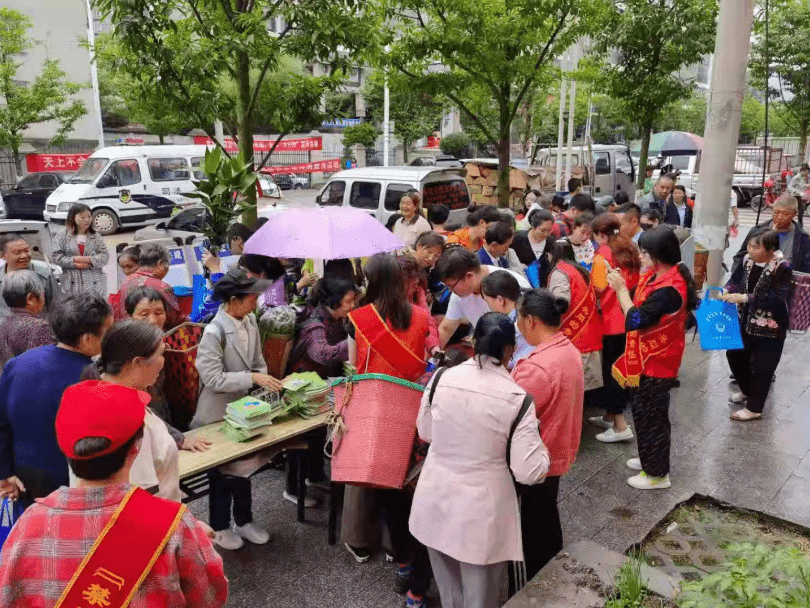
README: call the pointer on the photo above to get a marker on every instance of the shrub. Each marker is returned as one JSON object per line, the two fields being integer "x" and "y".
{"x": 456, "y": 144}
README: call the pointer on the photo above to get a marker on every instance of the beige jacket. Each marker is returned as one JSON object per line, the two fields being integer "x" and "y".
{"x": 465, "y": 503}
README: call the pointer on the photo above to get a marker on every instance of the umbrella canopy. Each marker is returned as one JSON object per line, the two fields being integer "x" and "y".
{"x": 327, "y": 233}
{"x": 673, "y": 143}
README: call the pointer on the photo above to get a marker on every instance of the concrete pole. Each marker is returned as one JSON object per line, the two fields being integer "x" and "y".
{"x": 722, "y": 131}
{"x": 386, "y": 123}
{"x": 560, "y": 132}
{"x": 571, "y": 111}
{"x": 91, "y": 48}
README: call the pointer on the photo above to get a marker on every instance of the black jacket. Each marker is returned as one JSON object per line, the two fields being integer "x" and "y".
{"x": 799, "y": 257}
{"x": 672, "y": 217}
{"x": 523, "y": 249}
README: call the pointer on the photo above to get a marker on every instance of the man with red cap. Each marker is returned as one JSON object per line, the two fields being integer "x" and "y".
{"x": 106, "y": 543}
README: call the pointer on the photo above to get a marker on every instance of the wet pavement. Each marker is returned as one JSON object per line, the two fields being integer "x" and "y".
{"x": 762, "y": 465}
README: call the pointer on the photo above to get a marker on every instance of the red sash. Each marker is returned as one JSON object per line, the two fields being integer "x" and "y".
{"x": 124, "y": 552}
{"x": 643, "y": 345}
{"x": 372, "y": 328}
{"x": 580, "y": 315}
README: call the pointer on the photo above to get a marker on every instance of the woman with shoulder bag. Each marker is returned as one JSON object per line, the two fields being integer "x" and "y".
{"x": 482, "y": 430}
{"x": 760, "y": 287}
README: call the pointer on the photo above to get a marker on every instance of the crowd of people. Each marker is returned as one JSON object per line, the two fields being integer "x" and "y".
{"x": 511, "y": 332}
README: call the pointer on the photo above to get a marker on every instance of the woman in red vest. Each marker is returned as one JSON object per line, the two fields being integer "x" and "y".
{"x": 389, "y": 335}
{"x": 581, "y": 323}
{"x": 619, "y": 252}
{"x": 655, "y": 320}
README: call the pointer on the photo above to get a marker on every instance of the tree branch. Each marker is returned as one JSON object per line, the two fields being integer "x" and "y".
{"x": 262, "y": 74}
{"x": 270, "y": 152}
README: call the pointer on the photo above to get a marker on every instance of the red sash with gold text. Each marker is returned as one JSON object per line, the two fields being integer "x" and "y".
{"x": 370, "y": 325}
{"x": 641, "y": 345}
{"x": 581, "y": 312}
{"x": 124, "y": 552}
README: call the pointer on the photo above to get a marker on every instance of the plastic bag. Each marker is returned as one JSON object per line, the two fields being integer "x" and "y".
{"x": 718, "y": 324}
{"x": 533, "y": 274}
{"x": 9, "y": 513}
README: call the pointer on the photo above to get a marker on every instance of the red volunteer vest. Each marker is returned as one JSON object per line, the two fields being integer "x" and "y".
{"x": 384, "y": 350}
{"x": 655, "y": 351}
{"x": 613, "y": 319}
{"x": 581, "y": 323}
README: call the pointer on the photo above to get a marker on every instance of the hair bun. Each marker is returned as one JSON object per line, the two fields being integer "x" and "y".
{"x": 560, "y": 306}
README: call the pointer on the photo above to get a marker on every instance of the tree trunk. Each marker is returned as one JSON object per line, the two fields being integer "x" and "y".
{"x": 643, "y": 156}
{"x": 803, "y": 128}
{"x": 405, "y": 146}
{"x": 160, "y": 139}
{"x": 503, "y": 171}
{"x": 245, "y": 128}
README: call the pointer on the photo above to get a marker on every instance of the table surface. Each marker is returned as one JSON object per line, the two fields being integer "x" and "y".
{"x": 225, "y": 450}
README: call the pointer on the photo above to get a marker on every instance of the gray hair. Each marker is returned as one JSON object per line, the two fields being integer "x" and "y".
{"x": 665, "y": 176}
{"x": 787, "y": 201}
{"x": 18, "y": 284}
{"x": 152, "y": 254}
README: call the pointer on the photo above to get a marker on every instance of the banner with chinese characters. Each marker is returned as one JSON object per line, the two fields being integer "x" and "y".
{"x": 264, "y": 145}
{"x": 37, "y": 163}
{"x": 318, "y": 166}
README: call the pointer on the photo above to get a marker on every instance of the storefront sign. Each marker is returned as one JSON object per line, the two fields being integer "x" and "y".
{"x": 37, "y": 163}
{"x": 341, "y": 123}
{"x": 265, "y": 145}
{"x": 320, "y": 166}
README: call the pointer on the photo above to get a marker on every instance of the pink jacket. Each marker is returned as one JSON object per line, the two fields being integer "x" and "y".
{"x": 553, "y": 376}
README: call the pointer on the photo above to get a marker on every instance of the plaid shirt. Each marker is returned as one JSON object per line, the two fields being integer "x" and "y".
{"x": 144, "y": 278}
{"x": 50, "y": 540}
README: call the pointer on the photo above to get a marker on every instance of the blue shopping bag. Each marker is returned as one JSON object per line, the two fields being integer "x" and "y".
{"x": 718, "y": 324}
{"x": 533, "y": 274}
{"x": 10, "y": 511}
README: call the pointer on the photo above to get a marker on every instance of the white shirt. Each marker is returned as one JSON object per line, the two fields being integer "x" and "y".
{"x": 537, "y": 248}
{"x": 409, "y": 231}
{"x": 472, "y": 307}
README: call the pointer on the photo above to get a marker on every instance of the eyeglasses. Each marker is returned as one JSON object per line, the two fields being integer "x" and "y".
{"x": 453, "y": 286}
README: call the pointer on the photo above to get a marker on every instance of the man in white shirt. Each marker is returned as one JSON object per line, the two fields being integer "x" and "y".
{"x": 496, "y": 250}
{"x": 463, "y": 273}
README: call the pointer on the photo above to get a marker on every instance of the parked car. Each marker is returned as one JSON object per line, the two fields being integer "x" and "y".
{"x": 443, "y": 160}
{"x": 26, "y": 200}
{"x": 269, "y": 187}
{"x": 291, "y": 181}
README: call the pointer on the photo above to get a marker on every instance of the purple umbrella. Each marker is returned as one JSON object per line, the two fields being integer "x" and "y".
{"x": 327, "y": 233}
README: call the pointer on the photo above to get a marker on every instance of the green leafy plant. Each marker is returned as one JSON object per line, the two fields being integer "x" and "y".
{"x": 456, "y": 144}
{"x": 754, "y": 575}
{"x": 629, "y": 588}
{"x": 364, "y": 134}
{"x": 228, "y": 181}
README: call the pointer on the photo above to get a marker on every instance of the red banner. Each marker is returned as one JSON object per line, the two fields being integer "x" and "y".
{"x": 37, "y": 163}
{"x": 319, "y": 166}
{"x": 264, "y": 145}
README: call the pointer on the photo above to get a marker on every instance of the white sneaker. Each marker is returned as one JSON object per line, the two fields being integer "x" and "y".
{"x": 308, "y": 502}
{"x": 635, "y": 464}
{"x": 324, "y": 485}
{"x": 600, "y": 422}
{"x": 738, "y": 398}
{"x": 228, "y": 539}
{"x": 252, "y": 533}
{"x": 642, "y": 481}
{"x": 611, "y": 436}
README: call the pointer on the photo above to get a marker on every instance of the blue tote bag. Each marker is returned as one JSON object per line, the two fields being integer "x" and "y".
{"x": 10, "y": 511}
{"x": 718, "y": 324}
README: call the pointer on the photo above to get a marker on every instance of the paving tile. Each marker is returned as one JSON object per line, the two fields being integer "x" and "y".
{"x": 791, "y": 502}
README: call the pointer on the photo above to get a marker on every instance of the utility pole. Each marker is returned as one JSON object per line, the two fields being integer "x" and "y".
{"x": 560, "y": 130}
{"x": 91, "y": 48}
{"x": 386, "y": 122}
{"x": 722, "y": 131}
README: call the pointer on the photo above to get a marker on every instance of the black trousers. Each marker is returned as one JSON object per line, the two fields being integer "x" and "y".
{"x": 650, "y": 406}
{"x": 611, "y": 397}
{"x": 311, "y": 459}
{"x": 753, "y": 367}
{"x": 227, "y": 489}
{"x": 800, "y": 202}
{"x": 395, "y": 506}
{"x": 540, "y": 523}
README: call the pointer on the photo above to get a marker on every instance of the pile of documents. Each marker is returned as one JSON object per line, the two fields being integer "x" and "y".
{"x": 247, "y": 417}
{"x": 306, "y": 394}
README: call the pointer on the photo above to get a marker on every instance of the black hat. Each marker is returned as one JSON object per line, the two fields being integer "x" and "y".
{"x": 237, "y": 282}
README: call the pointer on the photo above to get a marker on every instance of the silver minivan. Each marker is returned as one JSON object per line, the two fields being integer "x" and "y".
{"x": 378, "y": 190}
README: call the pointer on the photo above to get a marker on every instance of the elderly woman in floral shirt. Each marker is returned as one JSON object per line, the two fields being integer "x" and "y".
{"x": 760, "y": 287}
{"x": 23, "y": 329}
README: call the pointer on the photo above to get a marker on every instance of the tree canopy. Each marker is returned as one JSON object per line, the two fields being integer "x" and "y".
{"x": 48, "y": 98}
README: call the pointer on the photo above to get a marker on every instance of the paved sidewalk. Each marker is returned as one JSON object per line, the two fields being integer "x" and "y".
{"x": 762, "y": 465}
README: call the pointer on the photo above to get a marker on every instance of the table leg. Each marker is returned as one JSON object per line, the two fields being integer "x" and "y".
{"x": 302, "y": 486}
{"x": 331, "y": 531}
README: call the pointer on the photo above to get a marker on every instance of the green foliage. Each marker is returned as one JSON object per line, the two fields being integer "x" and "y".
{"x": 228, "y": 181}
{"x": 456, "y": 144}
{"x": 47, "y": 99}
{"x": 754, "y": 575}
{"x": 629, "y": 587}
{"x": 364, "y": 134}
{"x": 789, "y": 62}
{"x": 415, "y": 113}
{"x": 651, "y": 41}
{"x": 485, "y": 56}
{"x": 339, "y": 105}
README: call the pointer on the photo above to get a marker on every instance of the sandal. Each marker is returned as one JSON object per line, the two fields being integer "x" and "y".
{"x": 745, "y": 415}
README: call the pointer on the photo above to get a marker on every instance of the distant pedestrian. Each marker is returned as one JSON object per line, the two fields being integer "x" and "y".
{"x": 82, "y": 253}
{"x": 798, "y": 188}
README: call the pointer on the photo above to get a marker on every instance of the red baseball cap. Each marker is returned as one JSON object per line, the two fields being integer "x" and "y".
{"x": 95, "y": 408}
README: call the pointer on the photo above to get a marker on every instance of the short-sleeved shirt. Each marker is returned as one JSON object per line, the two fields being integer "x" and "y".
{"x": 409, "y": 231}
{"x": 472, "y": 307}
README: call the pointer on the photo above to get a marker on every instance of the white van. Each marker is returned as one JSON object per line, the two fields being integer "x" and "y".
{"x": 378, "y": 189}
{"x": 129, "y": 185}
